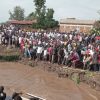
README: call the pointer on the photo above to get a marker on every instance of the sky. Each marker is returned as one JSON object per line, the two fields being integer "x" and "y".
{"x": 80, "y": 9}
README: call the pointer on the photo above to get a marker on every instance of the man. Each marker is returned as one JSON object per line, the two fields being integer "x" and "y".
{"x": 39, "y": 52}
{"x": 2, "y": 94}
{"x": 95, "y": 61}
{"x": 45, "y": 54}
{"x": 60, "y": 55}
{"x": 54, "y": 54}
{"x": 16, "y": 96}
{"x": 66, "y": 54}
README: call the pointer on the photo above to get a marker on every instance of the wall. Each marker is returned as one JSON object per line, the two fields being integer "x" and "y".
{"x": 72, "y": 27}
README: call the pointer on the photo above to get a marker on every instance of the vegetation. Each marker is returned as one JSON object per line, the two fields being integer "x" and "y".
{"x": 9, "y": 54}
{"x": 44, "y": 16}
{"x": 9, "y": 57}
{"x": 96, "y": 31}
{"x": 96, "y": 28}
{"x": 31, "y": 16}
{"x": 17, "y": 14}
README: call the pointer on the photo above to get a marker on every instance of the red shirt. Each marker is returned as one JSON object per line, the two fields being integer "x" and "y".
{"x": 50, "y": 50}
{"x": 99, "y": 58}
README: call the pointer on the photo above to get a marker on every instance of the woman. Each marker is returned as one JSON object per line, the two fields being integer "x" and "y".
{"x": 87, "y": 61}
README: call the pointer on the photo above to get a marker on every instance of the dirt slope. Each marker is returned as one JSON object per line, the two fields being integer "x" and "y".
{"x": 18, "y": 77}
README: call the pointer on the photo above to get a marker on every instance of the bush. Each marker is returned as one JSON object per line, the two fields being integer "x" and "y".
{"x": 9, "y": 57}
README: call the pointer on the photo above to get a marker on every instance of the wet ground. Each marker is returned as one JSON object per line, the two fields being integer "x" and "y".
{"x": 18, "y": 77}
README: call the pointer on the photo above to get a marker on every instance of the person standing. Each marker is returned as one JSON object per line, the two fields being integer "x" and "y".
{"x": 16, "y": 96}
{"x": 95, "y": 61}
{"x": 2, "y": 93}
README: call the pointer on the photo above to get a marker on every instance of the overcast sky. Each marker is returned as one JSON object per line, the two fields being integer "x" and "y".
{"x": 81, "y": 9}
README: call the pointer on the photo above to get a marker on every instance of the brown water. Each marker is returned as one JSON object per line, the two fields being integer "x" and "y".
{"x": 18, "y": 77}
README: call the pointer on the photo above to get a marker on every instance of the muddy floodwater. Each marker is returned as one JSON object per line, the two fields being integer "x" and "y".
{"x": 18, "y": 77}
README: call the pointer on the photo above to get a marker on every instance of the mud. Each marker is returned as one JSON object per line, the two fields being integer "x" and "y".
{"x": 18, "y": 77}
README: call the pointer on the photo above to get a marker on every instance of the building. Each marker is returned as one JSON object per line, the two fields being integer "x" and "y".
{"x": 23, "y": 24}
{"x": 71, "y": 24}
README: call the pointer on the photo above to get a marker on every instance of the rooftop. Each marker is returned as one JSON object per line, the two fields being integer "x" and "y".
{"x": 76, "y": 21}
{"x": 24, "y": 22}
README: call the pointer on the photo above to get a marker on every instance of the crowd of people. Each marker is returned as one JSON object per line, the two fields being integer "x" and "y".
{"x": 73, "y": 49}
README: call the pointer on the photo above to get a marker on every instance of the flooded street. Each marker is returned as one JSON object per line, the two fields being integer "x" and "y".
{"x": 18, "y": 77}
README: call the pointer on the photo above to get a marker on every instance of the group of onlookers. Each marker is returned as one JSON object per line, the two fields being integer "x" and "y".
{"x": 70, "y": 49}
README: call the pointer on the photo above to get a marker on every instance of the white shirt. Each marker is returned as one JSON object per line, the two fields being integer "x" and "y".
{"x": 45, "y": 52}
{"x": 70, "y": 36}
{"x": 39, "y": 50}
{"x": 39, "y": 42}
{"x": 91, "y": 52}
{"x": 80, "y": 38}
{"x": 66, "y": 53}
{"x": 20, "y": 39}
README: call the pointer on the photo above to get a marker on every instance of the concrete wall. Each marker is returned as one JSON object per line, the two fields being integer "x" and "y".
{"x": 72, "y": 27}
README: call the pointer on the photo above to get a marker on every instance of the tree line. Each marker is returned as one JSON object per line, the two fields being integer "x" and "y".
{"x": 42, "y": 14}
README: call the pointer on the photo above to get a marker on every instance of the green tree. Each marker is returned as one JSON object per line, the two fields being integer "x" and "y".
{"x": 31, "y": 16}
{"x": 44, "y": 16}
{"x": 96, "y": 28}
{"x": 40, "y": 5}
{"x": 50, "y": 13}
{"x": 49, "y": 21}
{"x": 40, "y": 13}
{"x": 17, "y": 14}
{"x": 97, "y": 24}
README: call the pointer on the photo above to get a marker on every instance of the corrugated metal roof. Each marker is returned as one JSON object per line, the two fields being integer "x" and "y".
{"x": 24, "y": 22}
{"x": 76, "y": 21}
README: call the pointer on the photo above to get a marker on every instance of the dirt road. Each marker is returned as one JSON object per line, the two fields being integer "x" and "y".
{"x": 18, "y": 77}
